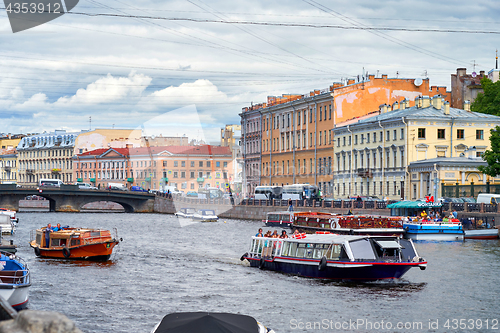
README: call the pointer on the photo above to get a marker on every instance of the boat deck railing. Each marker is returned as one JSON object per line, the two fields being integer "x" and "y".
{"x": 265, "y": 247}
{"x": 21, "y": 276}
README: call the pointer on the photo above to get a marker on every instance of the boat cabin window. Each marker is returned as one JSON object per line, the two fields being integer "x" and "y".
{"x": 286, "y": 247}
{"x": 407, "y": 251}
{"x": 319, "y": 250}
{"x": 334, "y": 252}
{"x": 57, "y": 242}
{"x": 309, "y": 250}
{"x": 95, "y": 234}
{"x": 273, "y": 217}
{"x": 362, "y": 249}
{"x": 301, "y": 250}
{"x": 292, "y": 251}
{"x": 387, "y": 249}
{"x": 75, "y": 242}
{"x": 39, "y": 238}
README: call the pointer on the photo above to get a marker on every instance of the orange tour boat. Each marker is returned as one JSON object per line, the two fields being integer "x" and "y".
{"x": 73, "y": 243}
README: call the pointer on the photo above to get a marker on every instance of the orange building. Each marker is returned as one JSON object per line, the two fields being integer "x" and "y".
{"x": 295, "y": 131}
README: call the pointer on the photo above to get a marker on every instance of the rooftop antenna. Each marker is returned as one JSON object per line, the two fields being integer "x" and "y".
{"x": 496, "y": 65}
{"x": 90, "y": 123}
{"x": 474, "y": 74}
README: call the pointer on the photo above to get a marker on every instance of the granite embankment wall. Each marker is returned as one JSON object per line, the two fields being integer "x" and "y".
{"x": 169, "y": 206}
{"x": 43, "y": 206}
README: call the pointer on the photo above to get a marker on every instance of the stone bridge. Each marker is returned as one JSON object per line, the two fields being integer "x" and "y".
{"x": 69, "y": 198}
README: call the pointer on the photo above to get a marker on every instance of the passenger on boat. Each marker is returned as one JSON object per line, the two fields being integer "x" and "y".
{"x": 260, "y": 233}
{"x": 275, "y": 234}
{"x": 283, "y": 234}
{"x": 445, "y": 219}
{"x": 296, "y": 232}
{"x": 290, "y": 205}
{"x": 57, "y": 228}
{"x": 423, "y": 214}
{"x": 268, "y": 234}
{"x": 48, "y": 230}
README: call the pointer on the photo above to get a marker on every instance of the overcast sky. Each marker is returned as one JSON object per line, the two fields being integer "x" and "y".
{"x": 128, "y": 71}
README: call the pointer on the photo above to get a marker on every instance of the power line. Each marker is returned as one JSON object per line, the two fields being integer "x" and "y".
{"x": 300, "y": 25}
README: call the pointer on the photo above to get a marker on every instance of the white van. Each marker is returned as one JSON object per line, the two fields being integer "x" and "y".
{"x": 488, "y": 198}
{"x": 50, "y": 183}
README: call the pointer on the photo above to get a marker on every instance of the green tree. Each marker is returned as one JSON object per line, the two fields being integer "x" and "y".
{"x": 489, "y": 101}
{"x": 492, "y": 155}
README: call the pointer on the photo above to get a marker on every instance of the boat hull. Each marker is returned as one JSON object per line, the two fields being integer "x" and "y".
{"x": 16, "y": 295}
{"x": 434, "y": 231}
{"x": 355, "y": 271}
{"x": 94, "y": 251}
{"x": 481, "y": 234}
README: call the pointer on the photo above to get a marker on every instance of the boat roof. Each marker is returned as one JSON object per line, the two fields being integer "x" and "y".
{"x": 332, "y": 238}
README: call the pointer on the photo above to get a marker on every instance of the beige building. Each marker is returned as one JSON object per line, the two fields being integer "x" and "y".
{"x": 382, "y": 155}
{"x": 46, "y": 156}
{"x": 10, "y": 141}
{"x": 107, "y": 138}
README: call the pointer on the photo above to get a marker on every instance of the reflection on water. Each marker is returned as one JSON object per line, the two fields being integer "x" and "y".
{"x": 161, "y": 267}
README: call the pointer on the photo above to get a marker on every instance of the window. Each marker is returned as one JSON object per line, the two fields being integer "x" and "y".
{"x": 311, "y": 116}
{"x": 388, "y": 137}
{"x": 225, "y": 164}
{"x": 183, "y": 163}
{"x": 176, "y": 175}
{"x": 343, "y": 139}
{"x": 192, "y": 164}
{"x": 460, "y": 134}
{"x": 200, "y": 164}
{"x": 192, "y": 174}
{"x": 362, "y": 138}
{"x": 421, "y": 133}
{"x": 349, "y": 143}
{"x": 402, "y": 133}
{"x": 367, "y": 137}
{"x": 395, "y": 135}
{"x": 320, "y": 113}
{"x": 298, "y": 118}
{"x": 208, "y": 164}
{"x": 330, "y": 112}
{"x": 183, "y": 174}
{"x": 374, "y": 136}
{"x": 356, "y": 139}
{"x": 441, "y": 132}
{"x": 305, "y": 115}
{"x": 320, "y": 136}
{"x": 176, "y": 163}
{"x": 479, "y": 135}
{"x": 381, "y": 136}
{"x": 217, "y": 164}
{"x": 310, "y": 139}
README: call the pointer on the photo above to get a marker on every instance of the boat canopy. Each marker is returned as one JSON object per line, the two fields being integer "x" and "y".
{"x": 388, "y": 244}
{"x": 414, "y": 204}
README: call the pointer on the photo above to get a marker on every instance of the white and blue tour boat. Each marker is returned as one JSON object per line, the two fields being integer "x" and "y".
{"x": 15, "y": 280}
{"x": 336, "y": 257}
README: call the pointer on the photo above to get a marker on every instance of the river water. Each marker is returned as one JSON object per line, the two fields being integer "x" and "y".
{"x": 162, "y": 267}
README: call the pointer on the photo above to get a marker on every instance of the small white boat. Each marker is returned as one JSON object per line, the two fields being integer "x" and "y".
{"x": 186, "y": 212}
{"x": 14, "y": 280}
{"x": 205, "y": 215}
{"x": 11, "y": 213}
{"x": 6, "y": 225}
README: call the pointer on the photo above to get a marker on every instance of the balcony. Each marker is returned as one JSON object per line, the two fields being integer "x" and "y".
{"x": 30, "y": 171}
{"x": 56, "y": 171}
{"x": 7, "y": 168}
{"x": 365, "y": 173}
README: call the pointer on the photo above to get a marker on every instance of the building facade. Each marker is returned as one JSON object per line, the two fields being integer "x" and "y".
{"x": 231, "y": 137}
{"x": 374, "y": 156}
{"x": 289, "y": 139}
{"x": 184, "y": 167}
{"x": 8, "y": 166}
{"x": 47, "y": 155}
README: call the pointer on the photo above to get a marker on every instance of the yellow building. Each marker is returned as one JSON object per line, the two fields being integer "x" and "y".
{"x": 107, "y": 138}
{"x": 10, "y": 141}
{"x": 388, "y": 155}
{"x": 8, "y": 167}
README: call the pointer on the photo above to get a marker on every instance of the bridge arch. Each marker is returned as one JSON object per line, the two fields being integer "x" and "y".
{"x": 127, "y": 207}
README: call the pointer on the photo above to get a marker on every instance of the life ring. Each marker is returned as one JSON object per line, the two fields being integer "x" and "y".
{"x": 262, "y": 262}
{"x": 243, "y": 257}
{"x": 66, "y": 253}
{"x": 333, "y": 225}
{"x": 322, "y": 264}
{"x": 37, "y": 251}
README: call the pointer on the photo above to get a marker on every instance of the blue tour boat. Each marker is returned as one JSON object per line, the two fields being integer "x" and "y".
{"x": 434, "y": 231}
{"x": 339, "y": 257}
{"x": 15, "y": 280}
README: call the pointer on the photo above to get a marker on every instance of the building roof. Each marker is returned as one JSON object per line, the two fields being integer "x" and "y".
{"x": 101, "y": 151}
{"x": 430, "y": 112}
{"x": 450, "y": 161}
{"x": 170, "y": 150}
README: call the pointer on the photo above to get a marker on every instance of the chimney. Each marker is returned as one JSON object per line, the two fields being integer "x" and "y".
{"x": 437, "y": 102}
{"x": 461, "y": 71}
{"x": 447, "y": 108}
{"x": 383, "y": 108}
{"x": 426, "y": 101}
{"x": 481, "y": 73}
{"x": 418, "y": 102}
{"x": 395, "y": 106}
{"x": 467, "y": 106}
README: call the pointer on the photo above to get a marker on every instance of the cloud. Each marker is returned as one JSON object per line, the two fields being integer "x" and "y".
{"x": 108, "y": 89}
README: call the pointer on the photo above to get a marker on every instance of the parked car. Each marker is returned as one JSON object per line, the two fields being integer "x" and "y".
{"x": 469, "y": 199}
{"x": 138, "y": 189}
{"x": 192, "y": 194}
{"x": 85, "y": 186}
